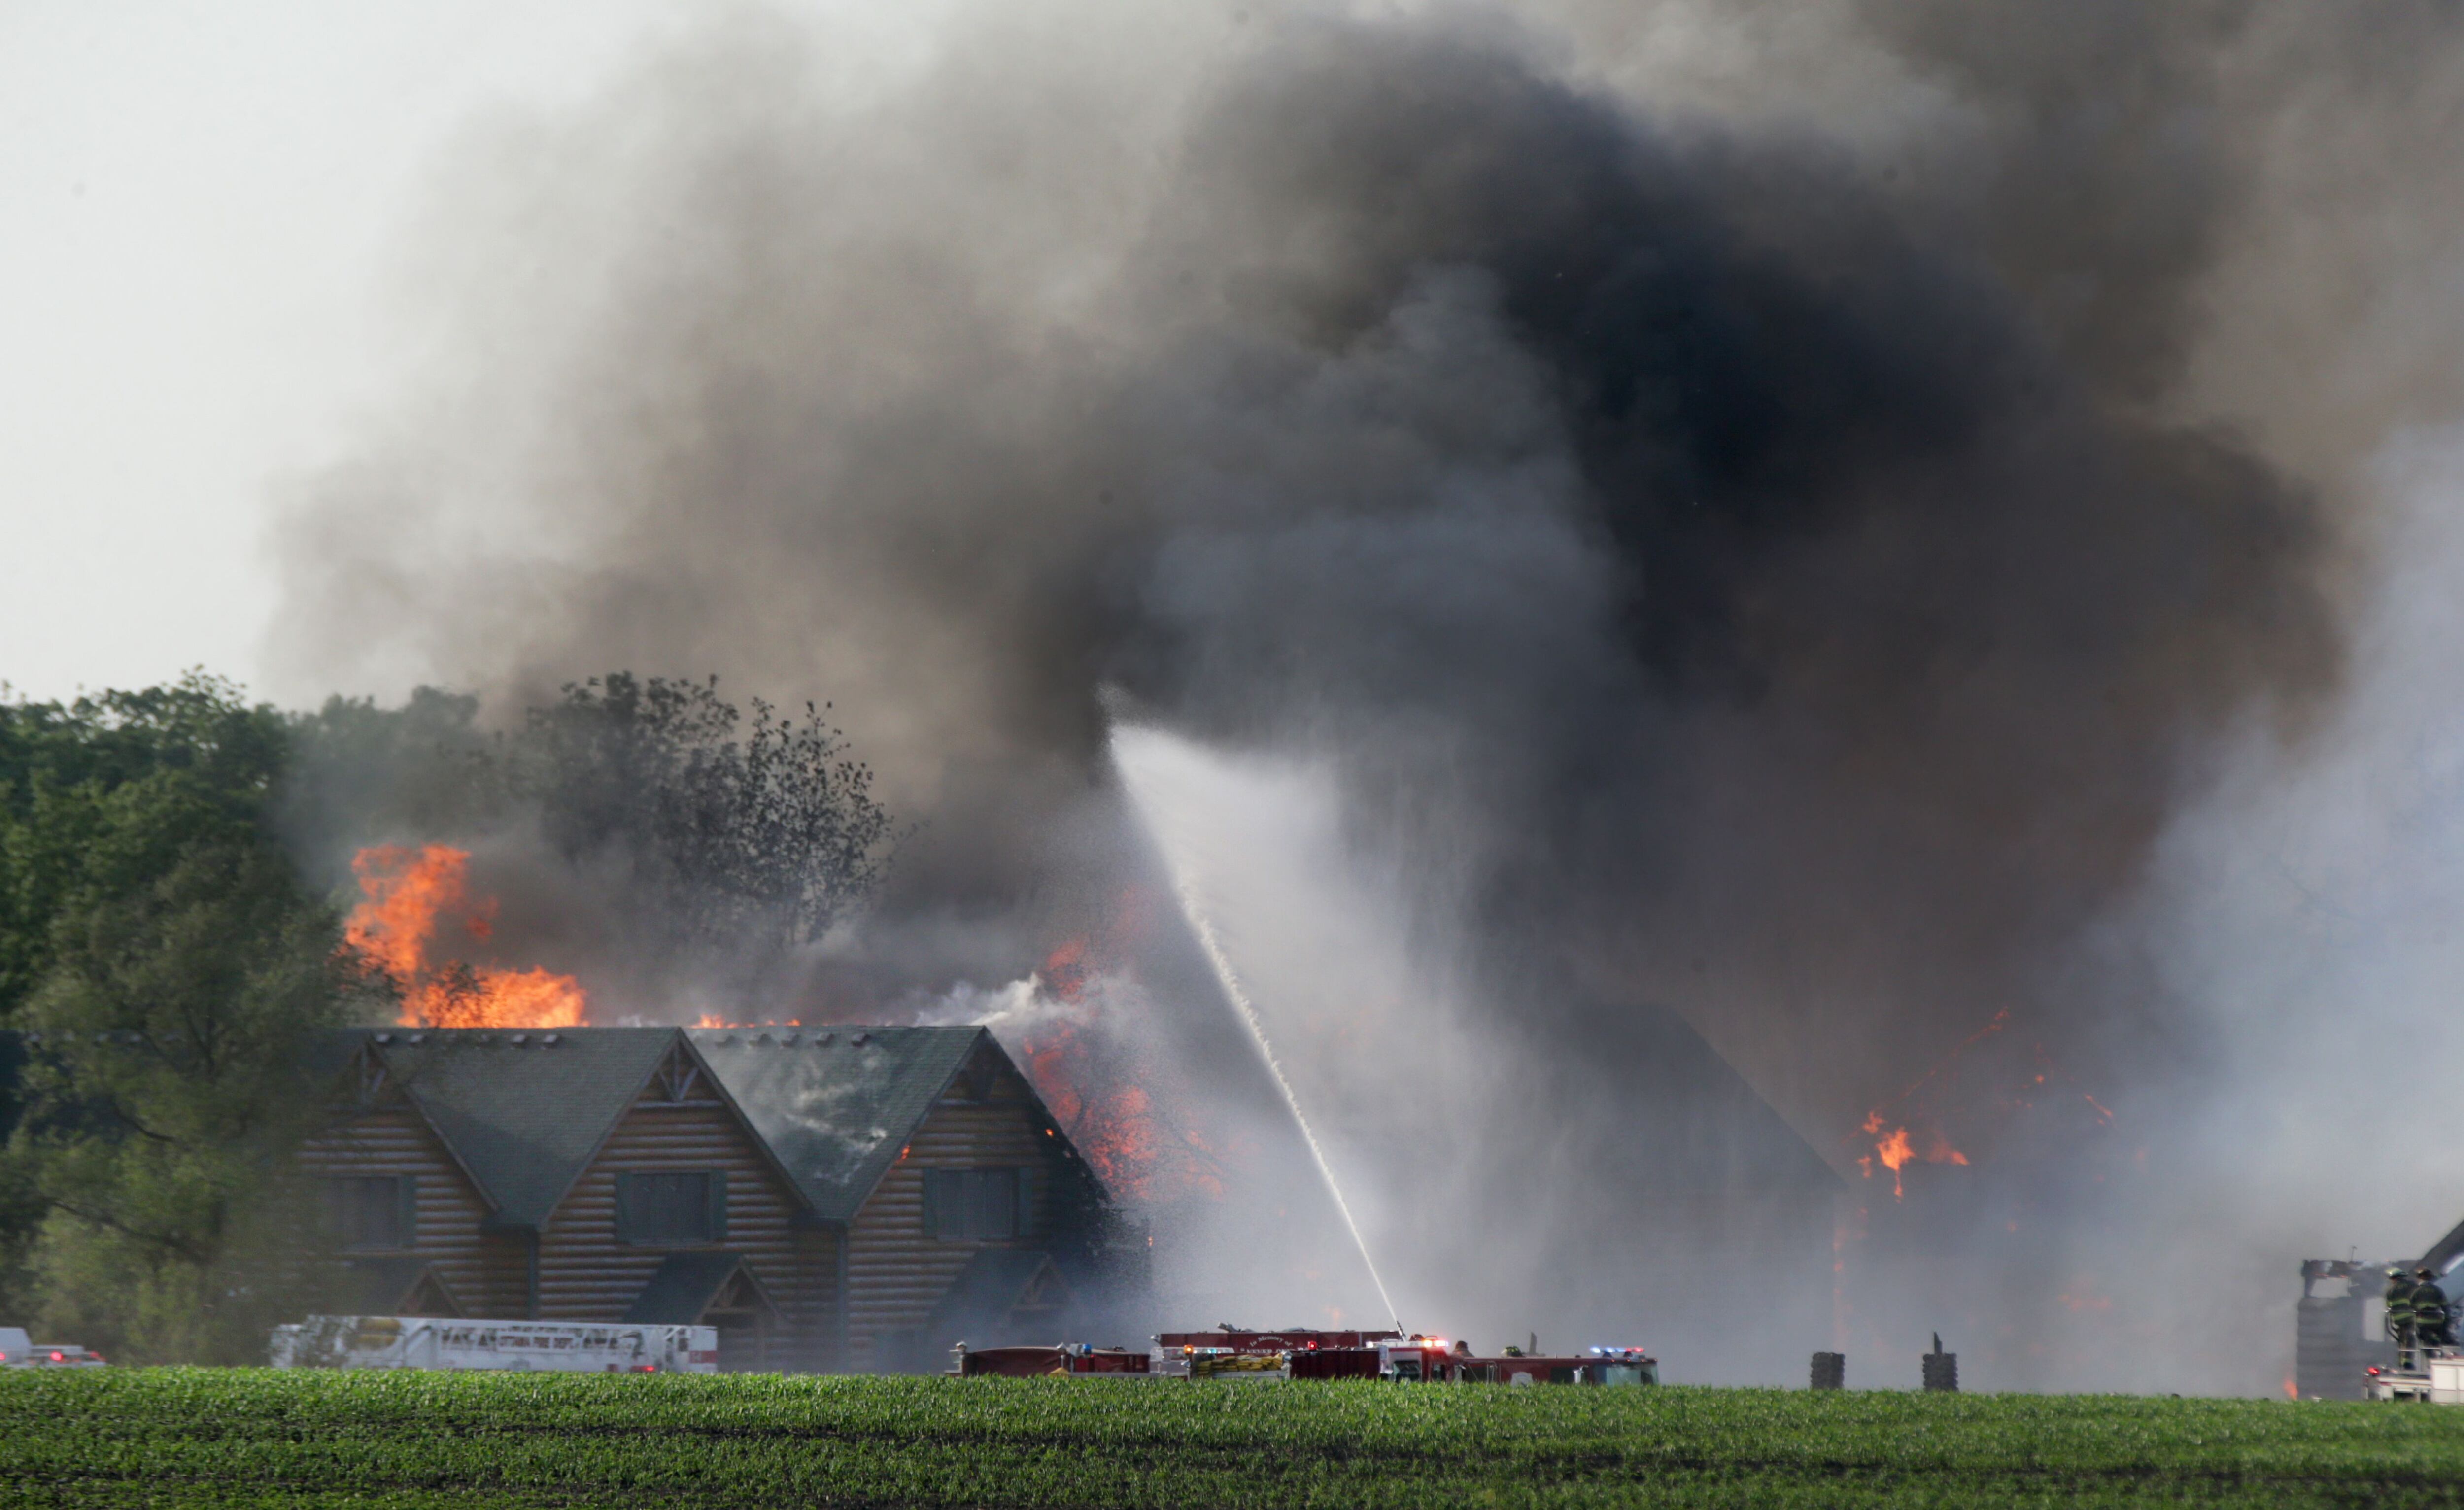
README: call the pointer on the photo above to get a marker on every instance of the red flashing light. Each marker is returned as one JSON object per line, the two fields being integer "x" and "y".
{"x": 2374, "y": 1370}
{"x": 59, "y": 1357}
{"x": 648, "y": 1367}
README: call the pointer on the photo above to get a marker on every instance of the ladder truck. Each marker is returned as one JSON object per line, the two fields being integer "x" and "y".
{"x": 2338, "y": 1355}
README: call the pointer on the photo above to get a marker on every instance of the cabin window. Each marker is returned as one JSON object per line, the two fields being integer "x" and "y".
{"x": 373, "y": 1212}
{"x": 977, "y": 1205}
{"x": 670, "y": 1209}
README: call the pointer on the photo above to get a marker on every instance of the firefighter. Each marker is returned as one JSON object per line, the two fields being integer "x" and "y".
{"x": 2400, "y": 1322}
{"x": 2433, "y": 1325}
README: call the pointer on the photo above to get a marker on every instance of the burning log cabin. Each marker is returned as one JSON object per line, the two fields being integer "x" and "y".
{"x": 841, "y": 1198}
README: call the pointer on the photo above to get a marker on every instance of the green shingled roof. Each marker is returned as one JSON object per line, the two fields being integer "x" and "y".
{"x": 525, "y": 1117}
{"x": 836, "y": 1105}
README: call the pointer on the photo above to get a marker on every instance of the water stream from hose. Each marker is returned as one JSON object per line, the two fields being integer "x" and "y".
{"x": 1229, "y": 979}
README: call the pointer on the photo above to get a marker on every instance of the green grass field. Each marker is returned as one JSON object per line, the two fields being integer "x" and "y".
{"x": 257, "y": 1437}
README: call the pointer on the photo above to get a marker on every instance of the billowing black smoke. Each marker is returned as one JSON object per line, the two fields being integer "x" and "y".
{"x": 1651, "y": 515}
{"x": 1722, "y": 569}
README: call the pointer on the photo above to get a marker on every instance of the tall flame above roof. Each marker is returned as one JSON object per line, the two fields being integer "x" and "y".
{"x": 409, "y": 895}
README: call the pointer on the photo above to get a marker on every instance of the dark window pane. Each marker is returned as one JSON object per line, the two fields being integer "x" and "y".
{"x": 368, "y": 1211}
{"x": 996, "y": 1203}
{"x": 665, "y": 1208}
{"x": 975, "y": 1205}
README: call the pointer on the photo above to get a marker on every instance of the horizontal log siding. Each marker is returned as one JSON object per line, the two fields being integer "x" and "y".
{"x": 895, "y": 1274}
{"x": 485, "y": 1271}
{"x": 587, "y": 1274}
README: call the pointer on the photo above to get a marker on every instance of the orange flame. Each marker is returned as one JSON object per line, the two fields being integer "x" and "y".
{"x": 405, "y": 893}
{"x": 2292, "y": 1390}
{"x": 1895, "y": 1151}
{"x": 1137, "y": 1149}
{"x": 1940, "y": 1152}
{"x": 1895, "y": 1148}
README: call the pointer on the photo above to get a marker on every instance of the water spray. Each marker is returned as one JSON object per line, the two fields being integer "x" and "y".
{"x": 1230, "y": 981}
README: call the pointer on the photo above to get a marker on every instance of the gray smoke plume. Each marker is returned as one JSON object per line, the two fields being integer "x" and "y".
{"x": 1768, "y": 513}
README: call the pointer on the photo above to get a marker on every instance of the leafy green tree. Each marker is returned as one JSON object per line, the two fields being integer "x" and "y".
{"x": 172, "y": 1071}
{"x": 100, "y": 797}
{"x": 164, "y": 978}
{"x": 770, "y": 839}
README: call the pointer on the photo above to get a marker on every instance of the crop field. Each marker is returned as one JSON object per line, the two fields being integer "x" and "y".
{"x": 258, "y": 1437}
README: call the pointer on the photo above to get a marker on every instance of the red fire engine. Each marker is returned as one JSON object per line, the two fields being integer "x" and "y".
{"x": 1304, "y": 1353}
{"x": 1028, "y": 1363}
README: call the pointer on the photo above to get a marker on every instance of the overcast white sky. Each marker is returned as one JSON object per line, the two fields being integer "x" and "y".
{"x": 196, "y": 206}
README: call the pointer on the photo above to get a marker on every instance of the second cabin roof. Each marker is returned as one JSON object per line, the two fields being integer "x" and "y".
{"x": 837, "y": 1107}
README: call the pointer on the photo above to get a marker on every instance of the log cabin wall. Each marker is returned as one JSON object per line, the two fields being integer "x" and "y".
{"x": 488, "y": 1273}
{"x": 587, "y": 1274}
{"x": 896, "y": 1271}
{"x": 511, "y": 1131}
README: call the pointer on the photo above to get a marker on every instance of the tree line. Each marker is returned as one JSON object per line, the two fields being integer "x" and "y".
{"x": 173, "y": 882}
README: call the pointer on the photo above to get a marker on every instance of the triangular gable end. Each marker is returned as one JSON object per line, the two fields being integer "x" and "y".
{"x": 395, "y": 1284}
{"x": 369, "y": 1081}
{"x": 432, "y": 1295}
{"x": 687, "y": 1287}
{"x": 673, "y": 1081}
{"x": 1047, "y": 1292}
{"x": 679, "y": 1075}
{"x": 685, "y": 1075}
{"x": 905, "y": 1135}
{"x": 742, "y": 1292}
{"x": 373, "y": 1084}
{"x": 986, "y": 1045}
{"x": 462, "y": 1106}
{"x": 999, "y": 1288}
{"x": 836, "y": 1107}
{"x": 1041, "y": 1114}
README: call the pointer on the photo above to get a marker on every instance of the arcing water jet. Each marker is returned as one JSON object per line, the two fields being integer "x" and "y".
{"x": 1185, "y": 895}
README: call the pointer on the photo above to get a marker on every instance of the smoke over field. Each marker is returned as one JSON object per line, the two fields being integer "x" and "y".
{"x": 1793, "y": 525}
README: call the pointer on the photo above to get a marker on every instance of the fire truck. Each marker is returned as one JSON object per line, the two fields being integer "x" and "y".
{"x": 1302, "y": 1354}
{"x": 1434, "y": 1360}
{"x": 19, "y": 1351}
{"x": 423, "y": 1342}
{"x": 1236, "y": 1353}
{"x": 1031, "y": 1363}
{"x": 2338, "y": 1354}
{"x": 2438, "y": 1381}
